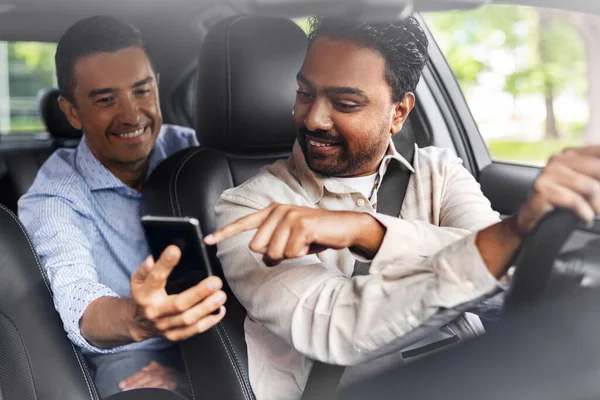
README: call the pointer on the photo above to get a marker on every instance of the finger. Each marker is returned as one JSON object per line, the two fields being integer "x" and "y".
{"x": 148, "y": 373}
{"x": 147, "y": 379}
{"x": 582, "y": 163}
{"x": 593, "y": 151}
{"x": 560, "y": 196}
{"x": 193, "y": 315}
{"x": 584, "y": 185}
{"x": 157, "y": 278}
{"x": 201, "y": 326}
{"x": 247, "y": 223}
{"x": 140, "y": 275}
{"x": 594, "y": 202}
{"x": 162, "y": 377}
{"x": 179, "y": 303}
{"x": 279, "y": 239}
{"x": 262, "y": 239}
{"x": 270, "y": 263}
{"x": 312, "y": 249}
{"x": 131, "y": 380}
{"x": 298, "y": 244}
{"x": 152, "y": 366}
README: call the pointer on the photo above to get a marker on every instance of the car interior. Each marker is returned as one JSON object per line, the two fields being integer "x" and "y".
{"x": 228, "y": 69}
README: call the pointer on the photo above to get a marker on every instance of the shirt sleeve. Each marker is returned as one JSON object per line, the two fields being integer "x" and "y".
{"x": 335, "y": 319}
{"x": 62, "y": 235}
{"x": 463, "y": 205}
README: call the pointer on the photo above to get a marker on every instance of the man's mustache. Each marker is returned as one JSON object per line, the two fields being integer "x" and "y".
{"x": 319, "y": 134}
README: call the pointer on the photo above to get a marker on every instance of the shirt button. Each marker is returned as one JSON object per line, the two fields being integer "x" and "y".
{"x": 360, "y": 202}
{"x": 470, "y": 285}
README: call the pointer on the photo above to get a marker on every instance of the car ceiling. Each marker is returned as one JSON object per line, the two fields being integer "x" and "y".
{"x": 170, "y": 28}
{"x": 174, "y": 29}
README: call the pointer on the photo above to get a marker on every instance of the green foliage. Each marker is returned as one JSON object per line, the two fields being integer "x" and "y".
{"x": 536, "y": 51}
{"x": 303, "y": 23}
{"x": 556, "y": 57}
{"x": 466, "y": 67}
{"x": 536, "y": 153}
{"x": 555, "y": 51}
{"x": 468, "y": 37}
{"x": 30, "y": 68}
{"x": 26, "y": 124}
{"x": 36, "y": 56}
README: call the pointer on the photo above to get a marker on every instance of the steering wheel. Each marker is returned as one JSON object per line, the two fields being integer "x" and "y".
{"x": 536, "y": 258}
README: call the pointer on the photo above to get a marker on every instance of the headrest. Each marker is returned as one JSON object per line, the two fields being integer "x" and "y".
{"x": 55, "y": 120}
{"x": 247, "y": 82}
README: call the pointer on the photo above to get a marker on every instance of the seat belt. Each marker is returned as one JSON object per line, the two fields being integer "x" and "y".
{"x": 324, "y": 378}
{"x": 390, "y": 197}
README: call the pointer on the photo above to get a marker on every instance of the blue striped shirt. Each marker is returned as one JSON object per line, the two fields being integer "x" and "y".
{"x": 85, "y": 225}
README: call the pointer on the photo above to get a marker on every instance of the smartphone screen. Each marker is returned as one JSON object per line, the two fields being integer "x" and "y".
{"x": 184, "y": 233}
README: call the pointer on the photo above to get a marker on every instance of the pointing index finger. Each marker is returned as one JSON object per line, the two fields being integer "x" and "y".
{"x": 246, "y": 223}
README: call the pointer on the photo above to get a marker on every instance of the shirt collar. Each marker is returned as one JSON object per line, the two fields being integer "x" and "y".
{"x": 316, "y": 184}
{"x": 98, "y": 177}
{"x": 157, "y": 155}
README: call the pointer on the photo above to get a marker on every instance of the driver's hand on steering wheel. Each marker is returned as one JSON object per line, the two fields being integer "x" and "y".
{"x": 571, "y": 179}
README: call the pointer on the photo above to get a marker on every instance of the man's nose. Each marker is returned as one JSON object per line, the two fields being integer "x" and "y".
{"x": 318, "y": 117}
{"x": 130, "y": 112}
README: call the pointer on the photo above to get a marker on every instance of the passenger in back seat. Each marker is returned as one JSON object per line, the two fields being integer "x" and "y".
{"x": 355, "y": 90}
{"x": 83, "y": 215}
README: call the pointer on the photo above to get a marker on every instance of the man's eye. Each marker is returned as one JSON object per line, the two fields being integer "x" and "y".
{"x": 104, "y": 101}
{"x": 347, "y": 106}
{"x": 142, "y": 92}
{"x": 303, "y": 95}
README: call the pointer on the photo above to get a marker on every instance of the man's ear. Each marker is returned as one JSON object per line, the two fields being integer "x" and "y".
{"x": 70, "y": 112}
{"x": 401, "y": 111}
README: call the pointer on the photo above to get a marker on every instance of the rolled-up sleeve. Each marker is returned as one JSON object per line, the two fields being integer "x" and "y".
{"x": 457, "y": 262}
{"x": 334, "y": 319}
{"x": 62, "y": 235}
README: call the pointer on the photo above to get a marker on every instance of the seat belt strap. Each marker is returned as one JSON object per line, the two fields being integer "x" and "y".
{"x": 390, "y": 197}
{"x": 324, "y": 378}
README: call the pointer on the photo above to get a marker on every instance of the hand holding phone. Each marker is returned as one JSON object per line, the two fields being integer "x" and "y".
{"x": 176, "y": 316}
{"x": 185, "y": 233}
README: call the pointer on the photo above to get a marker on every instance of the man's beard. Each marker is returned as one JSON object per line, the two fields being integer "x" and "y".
{"x": 344, "y": 165}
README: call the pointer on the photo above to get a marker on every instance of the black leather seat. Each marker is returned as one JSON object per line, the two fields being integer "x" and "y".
{"x": 57, "y": 124}
{"x": 37, "y": 360}
{"x": 245, "y": 95}
{"x": 20, "y": 165}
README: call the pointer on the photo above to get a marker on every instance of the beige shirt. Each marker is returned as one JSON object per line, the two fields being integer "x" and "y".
{"x": 312, "y": 308}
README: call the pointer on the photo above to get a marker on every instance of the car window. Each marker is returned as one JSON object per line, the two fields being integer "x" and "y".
{"x": 25, "y": 69}
{"x": 303, "y": 23}
{"x": 529, "y": 76}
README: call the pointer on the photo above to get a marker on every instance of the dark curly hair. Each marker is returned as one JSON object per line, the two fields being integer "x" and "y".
{"x": 403, "y": 45}
{"x": 98, "y": 34}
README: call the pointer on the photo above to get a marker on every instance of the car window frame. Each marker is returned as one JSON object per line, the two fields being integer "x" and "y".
{"x": 461, "y": 124}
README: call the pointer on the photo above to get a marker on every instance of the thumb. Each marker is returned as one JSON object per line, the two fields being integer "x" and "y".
{"x": 140, "y": 275}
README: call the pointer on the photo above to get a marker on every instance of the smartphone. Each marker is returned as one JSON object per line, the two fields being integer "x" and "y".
{"x": 185, "y": 233}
